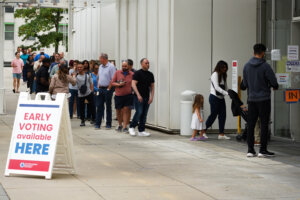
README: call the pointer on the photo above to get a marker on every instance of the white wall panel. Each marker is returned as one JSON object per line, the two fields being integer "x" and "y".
{"x": 152, "y": 54}
{"x": 132, "y": 32}
{"x": 163, "y": 72}
{"x": 142, "y": 29}
{"x": 123, "y": 29}
{"x": 192, "y": 53}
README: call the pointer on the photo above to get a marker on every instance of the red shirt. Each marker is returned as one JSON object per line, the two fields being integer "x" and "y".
{"x": 120, "y": 77}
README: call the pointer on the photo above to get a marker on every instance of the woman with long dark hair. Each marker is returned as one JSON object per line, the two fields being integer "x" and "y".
{"x": 218, "y": 89}
{"x": 60, "y": 81}
{"x": 30, "y": 73}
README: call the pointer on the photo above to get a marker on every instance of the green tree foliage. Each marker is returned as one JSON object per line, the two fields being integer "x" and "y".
{"x": 42, "y": 24}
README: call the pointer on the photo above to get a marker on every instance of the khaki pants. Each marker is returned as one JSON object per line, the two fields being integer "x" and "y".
{"x": 257, "y": 131}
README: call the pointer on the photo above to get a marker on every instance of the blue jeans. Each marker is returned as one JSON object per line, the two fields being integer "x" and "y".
{"x": 217, "y": 108}
{"x": 104, "y": 97}
{"x": 140, "y": 116}
{"x": 74, "y": 95}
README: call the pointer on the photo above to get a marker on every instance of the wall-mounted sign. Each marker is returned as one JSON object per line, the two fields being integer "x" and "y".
{"x": 292, "y": 95}
{"x": 235, "y": 75}
{"x": 293, "y": 66}
{"x": 275, "y": 55}
{"x": 293, "y": 52}
{"x": 283, "y": 78}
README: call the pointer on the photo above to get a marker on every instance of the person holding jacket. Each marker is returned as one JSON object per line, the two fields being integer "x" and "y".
{"x": 258, "y": 79}
{"x": 218, "y": 89}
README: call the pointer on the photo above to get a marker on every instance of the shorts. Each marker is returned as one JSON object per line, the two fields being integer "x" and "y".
{"x": 17, "y": 75}
{"x": 123, "y": 101}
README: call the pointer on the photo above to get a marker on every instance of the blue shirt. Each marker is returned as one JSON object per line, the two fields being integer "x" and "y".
{"x": 105, "y": 74}
{"x": 95, "y": 82}
{"x": 24, "y": 57}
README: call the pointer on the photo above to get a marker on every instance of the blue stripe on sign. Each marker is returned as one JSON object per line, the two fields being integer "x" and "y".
{"x": 39, "y": 106}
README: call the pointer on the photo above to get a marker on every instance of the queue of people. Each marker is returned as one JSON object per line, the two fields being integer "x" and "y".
{"x": 90, "y": 87}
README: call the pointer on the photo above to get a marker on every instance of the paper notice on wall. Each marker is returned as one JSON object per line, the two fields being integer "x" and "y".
{"x": 235, "y": 75}
{"x": 275, "y": 55}
{"x": 293, "y": 66}
{"x": 293, "y": 52}
{"x": 283, "y": 78}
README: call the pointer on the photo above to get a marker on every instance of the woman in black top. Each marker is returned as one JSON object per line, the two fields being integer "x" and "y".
{"x": 30, "y": 72}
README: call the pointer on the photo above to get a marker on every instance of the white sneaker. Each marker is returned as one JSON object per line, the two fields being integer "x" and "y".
{"x": 204, "y": 135}
{"x": 223, "y": 137}
{"x": 144, "y": 134}
{"x": 132, "y": 132}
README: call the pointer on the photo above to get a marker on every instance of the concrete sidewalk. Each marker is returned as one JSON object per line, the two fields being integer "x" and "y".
{"x": 115, "y": 166}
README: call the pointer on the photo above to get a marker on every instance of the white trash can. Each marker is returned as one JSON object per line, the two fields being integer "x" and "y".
{"x": 186, "y": 112}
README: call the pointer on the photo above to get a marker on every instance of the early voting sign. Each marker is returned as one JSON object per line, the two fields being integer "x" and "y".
{"x": 42, "y": 138}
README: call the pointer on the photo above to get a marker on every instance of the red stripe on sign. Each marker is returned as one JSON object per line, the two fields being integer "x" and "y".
{"x": 29, "y": 165}
{"x": 234, "y": 64}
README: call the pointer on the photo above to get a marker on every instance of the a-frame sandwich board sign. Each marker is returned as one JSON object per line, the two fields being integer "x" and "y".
{"x": 41, "y": 141}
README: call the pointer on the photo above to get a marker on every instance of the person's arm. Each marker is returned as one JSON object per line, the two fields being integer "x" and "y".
{"x": 270, "y": 75}
{"x": 245, "y": 81}
{"x": 52, "y": 84}
{"x": 91, "y": 83}
{"x": 134, "y": 87}
{"x": 115, "y": 83}
{"x": 151, "y": 94}
{"x": 199, "y": 116}
{"x": 12, "y": 64}
{"x": 112, "y": 72}
{"x": 215, "y": 82}
{"x": 72, "y": 79}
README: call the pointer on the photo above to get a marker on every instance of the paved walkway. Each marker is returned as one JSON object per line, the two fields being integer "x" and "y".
{"x": 115, "y": 166}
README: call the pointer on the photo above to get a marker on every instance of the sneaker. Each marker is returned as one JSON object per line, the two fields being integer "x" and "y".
{"x": 202, "y": 138}
{"x": 119, "y": 128}
{"x": 108, "y": 126}
{"x": 125, "y": 130}
{"x": 251, "y": 154}
{"x": 223, "y": 137}
{"x": 82, "y": 123}
{"x": 204, "y": 135}
{"x": 14, "y": 91}
{"x": 264, "y": 154}
{"x": 97, "y": 127}
{"x": 144, "y": 134}
{"x": 132, "y": 132}
{"x": 194, "y": 139}
{"x": 92, "y": 122}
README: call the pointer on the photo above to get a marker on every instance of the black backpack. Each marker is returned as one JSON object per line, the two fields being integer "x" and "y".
{"x": 83, "y": 88}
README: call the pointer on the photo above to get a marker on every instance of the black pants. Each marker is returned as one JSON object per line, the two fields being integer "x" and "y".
{"x": 262, "y": 110}
{"x": 30, "y": 80}
{"x": 217, "y": 109}
{"x": 90, "y": 99}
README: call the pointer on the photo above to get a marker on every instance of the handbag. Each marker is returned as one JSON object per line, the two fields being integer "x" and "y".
{"x": 83, "y": 88}
{"x": 221, "y": 86}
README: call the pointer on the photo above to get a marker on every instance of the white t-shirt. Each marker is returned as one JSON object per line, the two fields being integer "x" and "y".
{"x": 214, "y": 86}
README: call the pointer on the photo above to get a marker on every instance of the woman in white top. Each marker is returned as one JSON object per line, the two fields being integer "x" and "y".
{"x": 218, "y": 90}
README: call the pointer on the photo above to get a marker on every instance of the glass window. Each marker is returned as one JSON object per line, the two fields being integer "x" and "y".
{"x": 63, "y": 28}
{"x": 9, "y": 9}
{"x": 297, "y": 8}
{"x": 9, "y": 31}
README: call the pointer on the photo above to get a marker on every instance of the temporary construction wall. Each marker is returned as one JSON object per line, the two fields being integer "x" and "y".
{"x": 184, "y": 39}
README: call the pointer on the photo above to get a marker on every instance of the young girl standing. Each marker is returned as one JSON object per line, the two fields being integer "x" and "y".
{"x": 198, "y": 119}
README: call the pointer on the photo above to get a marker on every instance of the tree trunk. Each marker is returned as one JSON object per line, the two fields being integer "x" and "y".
{"x": 57, "y": 30}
